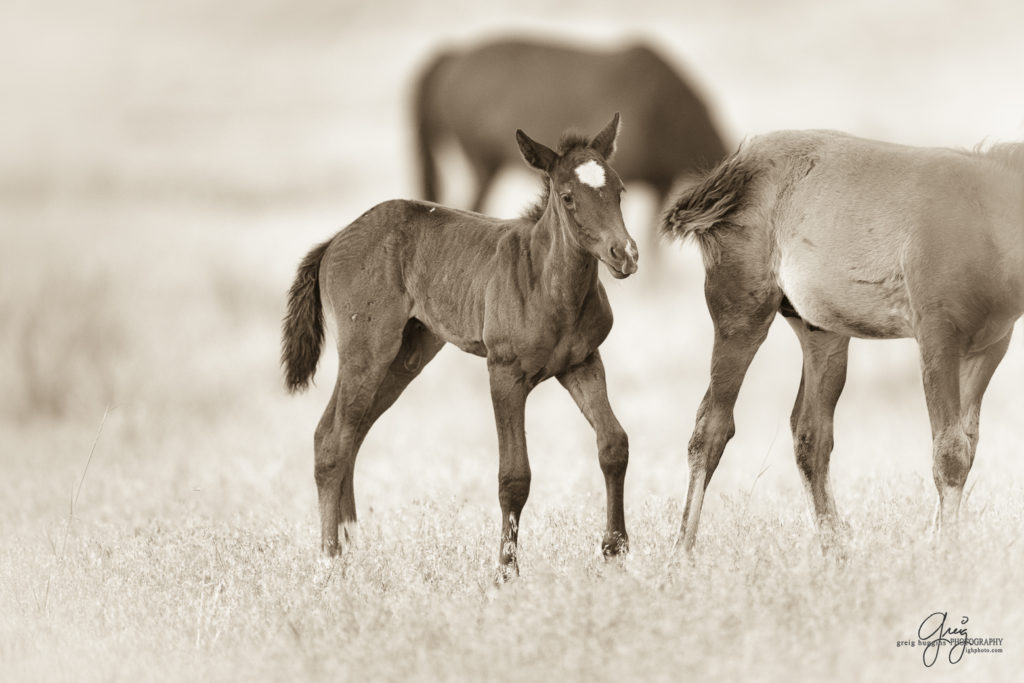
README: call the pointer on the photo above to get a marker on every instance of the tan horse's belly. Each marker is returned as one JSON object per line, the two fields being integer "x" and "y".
{"x": 856, "y": 300}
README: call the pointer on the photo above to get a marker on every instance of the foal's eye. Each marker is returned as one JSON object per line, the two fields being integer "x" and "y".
{"x": 567, "y": 199}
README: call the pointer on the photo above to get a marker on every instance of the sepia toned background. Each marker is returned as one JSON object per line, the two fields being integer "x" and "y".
{"x": 163, "y": 168}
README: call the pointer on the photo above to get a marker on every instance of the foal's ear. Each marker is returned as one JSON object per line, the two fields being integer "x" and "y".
{"x": 604, "y": 142}
{"x": 536, "y": 154}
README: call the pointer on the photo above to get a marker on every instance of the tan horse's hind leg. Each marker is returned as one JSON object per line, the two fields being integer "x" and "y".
{"x": 824, "y": 374}
{"x": 742, "y": 309}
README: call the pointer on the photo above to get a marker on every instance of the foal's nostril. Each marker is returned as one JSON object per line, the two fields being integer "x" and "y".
{"x": 616, "y": 254}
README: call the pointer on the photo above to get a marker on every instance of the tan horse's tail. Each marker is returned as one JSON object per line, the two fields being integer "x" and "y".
{"x": 706, "y": 207}
{"x": 302, "y": 331}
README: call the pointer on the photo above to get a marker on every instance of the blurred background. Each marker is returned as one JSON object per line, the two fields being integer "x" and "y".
{"x": 165, "y": 166}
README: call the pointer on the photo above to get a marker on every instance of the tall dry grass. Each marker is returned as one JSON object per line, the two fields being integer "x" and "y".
{"x": 165, "y": 168}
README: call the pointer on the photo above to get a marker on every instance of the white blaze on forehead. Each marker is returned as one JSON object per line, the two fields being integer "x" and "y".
{"x": 591, "y": 173}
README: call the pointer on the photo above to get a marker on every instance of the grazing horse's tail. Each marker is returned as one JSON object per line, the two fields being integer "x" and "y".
{"x": 702, "y": 210}
{"x": 302, "y": 331}
{"x": 427, "y": 125}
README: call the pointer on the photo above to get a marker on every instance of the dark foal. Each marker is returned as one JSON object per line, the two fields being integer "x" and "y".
{"x": 408, "y": 276}
{"x": 847, "y": 237}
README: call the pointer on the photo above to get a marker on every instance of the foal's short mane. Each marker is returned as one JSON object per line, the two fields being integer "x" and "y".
{"x": 534, "y": 211}
{"x": 570, "y": 140}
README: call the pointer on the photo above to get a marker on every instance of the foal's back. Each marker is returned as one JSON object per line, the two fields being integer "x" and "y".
{"x": 414, "y": 232}
{"x": 416, "y": 259}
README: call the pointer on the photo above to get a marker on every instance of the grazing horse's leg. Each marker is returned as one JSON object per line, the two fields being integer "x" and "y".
{"x": 419, "y": 346}
{"x": 484, "y": 169}
{"x": 742, "y": 310}
{"x": 653, "y": 247}
{"x": 508, "y": 394}
{"x": 662, "y": 188}
{"x": 824, "y": 374}
{"x": 366, "y": 352}
{"x": 586, "y": 384}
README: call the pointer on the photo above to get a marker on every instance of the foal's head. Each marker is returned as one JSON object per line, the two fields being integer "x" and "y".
{"x": 584, "y": 194}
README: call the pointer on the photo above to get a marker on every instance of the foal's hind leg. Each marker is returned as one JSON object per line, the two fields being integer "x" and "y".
{"x": 366, "y": 351}
{"x": 824, "y": 374}
{"x": 419, "y": 346}
{"x": 586, "y": 384}
{"x": 742, "y": 308}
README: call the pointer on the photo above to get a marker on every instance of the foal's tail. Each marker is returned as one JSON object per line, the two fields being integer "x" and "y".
{"x": 705, "y": 208}
{"x": 302, "y": 330}
{"x": 427, "y": 125}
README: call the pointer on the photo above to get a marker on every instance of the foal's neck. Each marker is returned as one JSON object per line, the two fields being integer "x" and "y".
{"x": 561, "y": 267}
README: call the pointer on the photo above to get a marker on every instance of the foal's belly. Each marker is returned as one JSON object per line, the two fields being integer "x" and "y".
{"x": 463, "y": 336}
{"x": 867, "y": 302}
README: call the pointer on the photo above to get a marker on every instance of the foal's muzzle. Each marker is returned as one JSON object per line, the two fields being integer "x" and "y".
{"x": 621, "y": 259}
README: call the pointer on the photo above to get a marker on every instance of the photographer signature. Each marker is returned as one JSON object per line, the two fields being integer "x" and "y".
{"x": 934, "y": 631}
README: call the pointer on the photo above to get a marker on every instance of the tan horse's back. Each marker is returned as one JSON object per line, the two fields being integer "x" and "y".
{"x": 867, "y": 231}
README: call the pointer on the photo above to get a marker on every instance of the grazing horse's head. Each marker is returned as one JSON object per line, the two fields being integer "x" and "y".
{"x": 584, "y": 194}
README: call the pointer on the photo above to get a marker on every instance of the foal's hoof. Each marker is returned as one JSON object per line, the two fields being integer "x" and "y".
{"x": 506, "y": 573}
{"x": 330, "y": 551}
{"x": 614, "y": 544}
{"x": 834, "y": 549}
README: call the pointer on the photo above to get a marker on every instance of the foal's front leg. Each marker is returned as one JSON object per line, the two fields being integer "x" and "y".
{"x": 586, "y": 384}
{"x": 508, "y": 394}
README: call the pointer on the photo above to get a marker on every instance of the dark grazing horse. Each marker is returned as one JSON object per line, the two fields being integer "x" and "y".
{"x": 408, "y": 276}
{"x": 848, "y": 237}
{"x": 545, "y": 87}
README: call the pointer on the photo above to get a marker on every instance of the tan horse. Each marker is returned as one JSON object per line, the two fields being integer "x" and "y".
{"x": 848, "y": 237}
{"x": 407, "y": 276}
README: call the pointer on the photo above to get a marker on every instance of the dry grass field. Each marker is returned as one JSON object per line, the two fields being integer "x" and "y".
{"x": 163, "y": 169}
